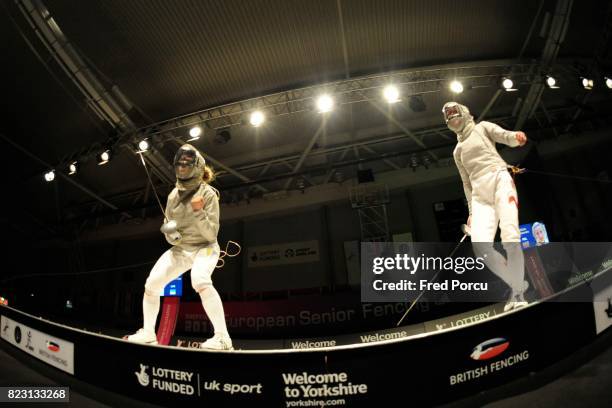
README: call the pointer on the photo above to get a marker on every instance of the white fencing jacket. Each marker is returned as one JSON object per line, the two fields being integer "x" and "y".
{"x": 476, "y": 155}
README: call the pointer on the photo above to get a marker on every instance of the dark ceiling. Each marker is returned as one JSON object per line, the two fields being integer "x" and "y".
{"x": 172, "y": 58}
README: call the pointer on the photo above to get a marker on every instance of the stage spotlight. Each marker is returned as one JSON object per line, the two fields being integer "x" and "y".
{"x": 587, "y": 83}
{"x": 257, "y": 118}
{"x": 72, "y": 168}
{"x": 50, "y": 175}
{"x": 391, "y": 94}
{"x": 325, "y": 103}
{"x": 508, "y": 85}
{"x": 414, "y": 162}
{"x": 456, "y": 87}
{"x": 223, "y": 136}
{"x": 609, "y": 82}
{"x": 417, "y": 104}
{"x": 143, "y": 146}
{"x": 301, "y": 184}
{"x": 551, "y": 82}
{"x": 104, "y": 157}
{"x": 195, "y": 132}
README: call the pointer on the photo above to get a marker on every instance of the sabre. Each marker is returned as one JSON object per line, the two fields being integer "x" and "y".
{"x": 466, "y": 232}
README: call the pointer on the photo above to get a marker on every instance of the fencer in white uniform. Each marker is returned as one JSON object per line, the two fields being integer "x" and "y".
{"x": 491, "y": 195}
{"x": 191, "y": 227}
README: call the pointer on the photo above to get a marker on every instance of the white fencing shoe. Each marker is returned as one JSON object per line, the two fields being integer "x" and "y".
{"x": 142, "y": 337}
{"x": 517, "y": 298}
{"x": 218, "y": 342}
{"x": 515, "y": 304}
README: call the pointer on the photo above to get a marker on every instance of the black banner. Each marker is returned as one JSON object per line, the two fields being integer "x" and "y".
{"x": 458, "y": 357}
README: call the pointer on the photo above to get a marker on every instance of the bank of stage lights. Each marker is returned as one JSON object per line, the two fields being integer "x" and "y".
{"x": 507, "y": 84}
{"x": 73, "y": 168}
{"x": 50, "y": 175}
{"x": 104, "y": 157}
{"x": 257, "y": 119}
{"x": 325, "y": 103}
{"x": 143, "y": 145}
{"x": 194, "y": 133}
{"x": 391, "y": 94}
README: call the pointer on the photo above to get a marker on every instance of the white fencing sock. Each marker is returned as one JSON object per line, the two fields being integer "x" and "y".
{"x": 150, "y": 309}
{"x": 214, "y": 309}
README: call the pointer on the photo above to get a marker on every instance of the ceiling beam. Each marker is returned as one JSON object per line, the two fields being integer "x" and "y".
{"x": 306, "y": 151}
{"x": 110, "y": 105}
{"x": 490, "y": 104}
{"x": 554, "y": 39}
{"x": 61, "y": 174}
{"x": 387, "y": 161}
{"x": 420, "y": 80}
{"x": 232, "y": 171}
{"x": 400, "y": 126}
{"x": 347, "y": 74}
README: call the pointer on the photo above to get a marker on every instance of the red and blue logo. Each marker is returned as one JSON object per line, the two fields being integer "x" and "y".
{"x": 490, "y": 348}
{"x": 53, "y": 346}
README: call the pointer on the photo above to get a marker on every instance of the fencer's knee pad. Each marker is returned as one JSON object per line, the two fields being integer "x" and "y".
{"x": 510, "y": 233}
{"x": 482, "y": 248}
{"x": 153, "y": 286}
{"x": 201, "y": 287}
{"x": 149, "y": 292}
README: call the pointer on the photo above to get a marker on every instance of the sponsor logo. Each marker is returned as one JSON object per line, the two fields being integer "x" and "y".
{"x": 490, "y": 349}
{"x": 312, "y": 344}
{"x": 143, "y": 377}
{"x": 53, "y": 346}
{"x": 188, "y": 343}
{"x": 54, "y": 351}
{"x": 163, "y": 379}
{"x": 17, "y": 334}
{"x": 319, "y": 385}
{"x": 283, "y": 253}
{"x": 464, "y": 320}
{"x": 232, "y": 389}
{"x": 29, "y": 342}
{"x": 583, "y": 277}
{"x": 369, "y": 338}
{"x": 187, "y": 382}
{"x": 52, "y": 357}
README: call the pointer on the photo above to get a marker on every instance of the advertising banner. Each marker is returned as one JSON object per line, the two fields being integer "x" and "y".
{"x": 283, "y": 254}
{"x": 429, "y": 369}
{"x": 52, "y": 350}
{"x": 307, "y": 315}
